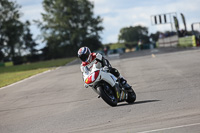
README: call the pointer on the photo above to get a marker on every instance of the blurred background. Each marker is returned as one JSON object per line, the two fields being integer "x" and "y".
{"x": 34, "y": 32}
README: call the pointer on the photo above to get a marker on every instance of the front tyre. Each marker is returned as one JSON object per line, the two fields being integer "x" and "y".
{"x": 131, "y": 97}
{"x": 108, "y": 96}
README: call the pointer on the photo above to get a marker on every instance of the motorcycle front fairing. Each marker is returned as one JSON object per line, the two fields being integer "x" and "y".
{"x": 98, "y": 75}
{"x": 109, "y": 78}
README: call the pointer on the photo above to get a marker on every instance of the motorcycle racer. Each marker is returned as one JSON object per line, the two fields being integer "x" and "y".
{"x": 96, "y": 60}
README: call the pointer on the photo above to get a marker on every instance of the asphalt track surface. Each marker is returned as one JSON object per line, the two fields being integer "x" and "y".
{"x": 167, "y": 85}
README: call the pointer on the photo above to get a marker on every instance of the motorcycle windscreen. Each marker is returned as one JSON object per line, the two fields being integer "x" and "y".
{"x": 90, "y": 79}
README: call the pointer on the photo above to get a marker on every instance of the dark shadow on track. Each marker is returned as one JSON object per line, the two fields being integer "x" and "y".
{"x": 139, "y": 102}
{"x": 146, "y": 101}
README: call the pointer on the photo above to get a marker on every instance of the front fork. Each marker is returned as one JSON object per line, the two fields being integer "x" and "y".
{"x": 120, "y": 93}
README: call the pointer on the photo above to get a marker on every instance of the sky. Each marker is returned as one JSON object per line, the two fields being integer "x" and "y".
{"x": 117, "y": 14}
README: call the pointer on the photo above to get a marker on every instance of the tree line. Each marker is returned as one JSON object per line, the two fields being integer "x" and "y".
{"x": 69, "y": 25}
{"x": 66, "y": 25}
{"x": 15, "y": 36}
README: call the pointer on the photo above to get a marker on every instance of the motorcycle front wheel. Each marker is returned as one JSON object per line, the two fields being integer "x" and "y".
{"x": 108, "y": 96}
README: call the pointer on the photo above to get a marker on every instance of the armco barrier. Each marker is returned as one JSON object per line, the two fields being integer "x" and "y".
{"x": 168, "y": 41}
{"x": 188, "y": 41}
{"x": 174, "y": 41}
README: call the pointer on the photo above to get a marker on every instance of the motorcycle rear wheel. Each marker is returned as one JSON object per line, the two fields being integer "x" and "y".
{"x": 108, "y": 96}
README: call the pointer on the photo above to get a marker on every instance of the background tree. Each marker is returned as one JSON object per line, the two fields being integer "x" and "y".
{"x": 66, "y": 25}
{"x": 134, "y": 34}
{"x": 1, "y": 56}
{"x": 29, "y": 43}
{"x": 11, "y": 28}
{"x": 155, "y": 36}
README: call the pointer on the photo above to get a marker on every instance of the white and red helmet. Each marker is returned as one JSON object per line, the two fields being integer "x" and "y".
{"x": 84, "y": 53}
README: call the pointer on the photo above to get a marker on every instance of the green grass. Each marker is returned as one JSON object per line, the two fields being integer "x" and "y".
{"x": 12, "y": 77}
{"x": 117, "y": 45}
{"x": 12, "y": 74}
{"x": 9, "y": 63}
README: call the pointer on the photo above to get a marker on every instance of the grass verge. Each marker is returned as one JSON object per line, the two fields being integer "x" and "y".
{"x": 12, "y": 74}
{"x": 12, "y": 77}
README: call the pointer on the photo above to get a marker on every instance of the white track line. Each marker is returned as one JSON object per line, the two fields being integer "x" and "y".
{"x": 29, "y": 78}
{"x": 26, "y": 79}
{"x": 34, "y": 76}
{"x": 162, "y": 129}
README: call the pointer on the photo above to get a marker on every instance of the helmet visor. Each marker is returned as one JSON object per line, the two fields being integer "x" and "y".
{"x": 83, "y": 57}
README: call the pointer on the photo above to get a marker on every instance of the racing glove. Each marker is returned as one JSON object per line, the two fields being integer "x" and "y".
{"x": 86, "y": 86}
{"x": 105, "y": 68}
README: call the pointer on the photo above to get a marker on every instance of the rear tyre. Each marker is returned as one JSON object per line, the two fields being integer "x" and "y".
{"x": 108, "y": 96}
{"x": 131, "y": 97}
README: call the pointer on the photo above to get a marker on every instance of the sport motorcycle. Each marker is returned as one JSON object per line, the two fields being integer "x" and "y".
{"x": 108, "y": 87}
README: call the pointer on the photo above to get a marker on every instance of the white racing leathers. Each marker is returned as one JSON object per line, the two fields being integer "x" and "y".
{"x": 94, "y": 62}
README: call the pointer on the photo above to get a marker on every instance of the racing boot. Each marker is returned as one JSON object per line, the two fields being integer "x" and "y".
{"x": 124, "y": 84}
